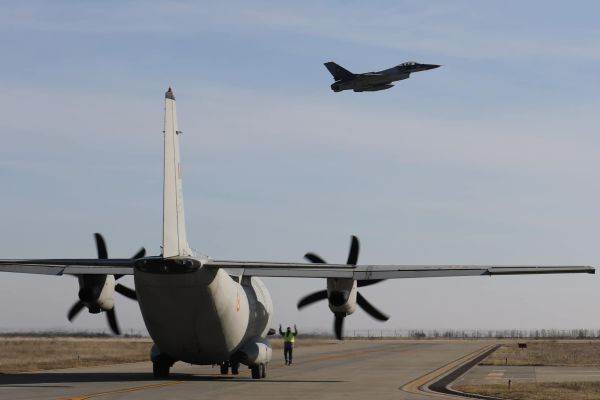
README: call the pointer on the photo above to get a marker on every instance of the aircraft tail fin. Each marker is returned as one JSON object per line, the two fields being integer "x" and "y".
{"x": 339, "y": 73}
{"x": 174, "y": 234}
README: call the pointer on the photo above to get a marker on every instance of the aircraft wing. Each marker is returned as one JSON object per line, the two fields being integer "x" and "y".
{"x": 124, "y": 266}
{"x": 70, "y": 266}
{"x": 376, "y": 272}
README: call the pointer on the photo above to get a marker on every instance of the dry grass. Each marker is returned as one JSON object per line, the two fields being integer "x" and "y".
{"x": 574, "y": 353}
{"x": 538, "y": 391}
{"x": 30, "y": 354}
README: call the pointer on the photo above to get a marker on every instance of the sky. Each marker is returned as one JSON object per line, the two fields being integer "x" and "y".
{"x": 491, "y": 159}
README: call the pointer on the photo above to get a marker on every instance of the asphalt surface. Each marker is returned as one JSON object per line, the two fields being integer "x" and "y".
{"x": 369, "y": 369}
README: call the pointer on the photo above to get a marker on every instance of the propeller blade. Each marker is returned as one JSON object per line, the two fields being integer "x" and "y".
{"x": 338, "y": 325}
{"x": 125, "y": 291}
{"x": 111, "y": 317}
{"x": 75, "y": 309}
{"x": 362, "y": 283}
{"x": 368, "y": 307}
{"x": 313, "y": 258}
{"x": 311, "y": 298}
{"x": 100, "y": 246}
{"x": 140, "y": 254}
{"x": 354, "y": 249}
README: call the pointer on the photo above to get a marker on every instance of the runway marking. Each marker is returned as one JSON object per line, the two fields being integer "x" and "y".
{"x": 124, "y": 390}
{"x": 417, "y": 386}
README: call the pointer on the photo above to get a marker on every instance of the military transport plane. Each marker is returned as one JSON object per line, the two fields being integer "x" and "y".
{"x": 208, "y": 311}
{"x": 373, "y": 81}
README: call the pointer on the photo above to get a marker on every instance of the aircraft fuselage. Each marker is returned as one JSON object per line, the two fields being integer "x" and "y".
{"x": 204, "y": 316}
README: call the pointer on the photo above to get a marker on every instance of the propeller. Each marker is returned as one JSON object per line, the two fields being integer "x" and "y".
{"x": 91, "y": 287}
{"x": 338, "y": 323}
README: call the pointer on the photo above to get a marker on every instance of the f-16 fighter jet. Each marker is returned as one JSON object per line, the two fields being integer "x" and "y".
{"x": 373, "y": 81}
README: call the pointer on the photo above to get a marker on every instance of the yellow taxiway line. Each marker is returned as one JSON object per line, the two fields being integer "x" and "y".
{"x": 123, "y": 390}
{"x": 419, "y": 385}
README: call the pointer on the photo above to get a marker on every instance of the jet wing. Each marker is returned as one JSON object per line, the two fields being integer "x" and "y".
{"x": 70, "y": 266}
{"x": 376, "y": 272}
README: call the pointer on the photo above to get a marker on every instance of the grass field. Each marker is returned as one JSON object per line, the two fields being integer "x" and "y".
{"x": 543, "y": 353}
{"x": 30, "y": 354}
{"x": 538, "y": 391}
{"x": 20, "y": 354}
{"x": 573, "y": 352}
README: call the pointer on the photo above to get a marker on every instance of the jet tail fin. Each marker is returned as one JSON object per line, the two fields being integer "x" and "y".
{"x": 174, "y": 235}
{"x": 339, "y": 73}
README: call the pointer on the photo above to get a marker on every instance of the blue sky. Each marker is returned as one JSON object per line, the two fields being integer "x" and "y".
{"x": 492, "y": 158}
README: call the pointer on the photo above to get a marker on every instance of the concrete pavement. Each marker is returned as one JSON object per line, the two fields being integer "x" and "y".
{"x": 354, "y": 369}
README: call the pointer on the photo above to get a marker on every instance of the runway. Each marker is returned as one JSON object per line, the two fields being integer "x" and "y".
{"x": 375, "y": 369}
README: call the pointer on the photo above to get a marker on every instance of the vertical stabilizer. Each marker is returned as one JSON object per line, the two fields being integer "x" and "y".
{"x": 174, "y": 236}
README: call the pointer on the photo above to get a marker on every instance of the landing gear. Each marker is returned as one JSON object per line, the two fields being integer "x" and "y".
{"x": 160, "y": 368}
{"x": 161, "y": 363}
{"x": 263, "y": 370}
{"x": 255, "y": 371}
{"x": 235, "y": 368}
{"x": 259, "y": 371}
{"x": 224, "y": 367}
{"x": 234, "y": 365}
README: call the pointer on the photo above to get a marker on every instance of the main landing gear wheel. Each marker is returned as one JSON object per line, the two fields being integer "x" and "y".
{"x": 263, "y": 370}
{"x": 160, "y": 368}
{"x": 225, "y": 368}
{"x": 259, "y": 371}
{"x": 235, "y": 368}
{"x": 255, "y": 372}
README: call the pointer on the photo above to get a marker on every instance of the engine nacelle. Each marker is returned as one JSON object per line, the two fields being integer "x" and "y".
{"x": 256, "y": 352}
{"x": 341, "y": 293}
{"x": 97, "y": 292}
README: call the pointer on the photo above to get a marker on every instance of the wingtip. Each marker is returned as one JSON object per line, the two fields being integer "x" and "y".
{"x": 169, "y": 94}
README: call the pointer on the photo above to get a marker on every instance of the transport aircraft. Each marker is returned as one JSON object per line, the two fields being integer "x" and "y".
{"x": 202, "y": 310}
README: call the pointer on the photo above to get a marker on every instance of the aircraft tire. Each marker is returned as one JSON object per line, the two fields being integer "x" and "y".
{"x": 263, "y": 370}
{"x": 235, "y": 368}
{"x": 224, "y": 368}
{"x": 161, "y": 369}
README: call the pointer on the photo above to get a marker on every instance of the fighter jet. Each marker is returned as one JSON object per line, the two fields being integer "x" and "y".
{"x": 373, "y": 81}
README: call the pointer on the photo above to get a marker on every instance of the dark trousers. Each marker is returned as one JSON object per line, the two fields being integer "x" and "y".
{"x": 288, "y": 349}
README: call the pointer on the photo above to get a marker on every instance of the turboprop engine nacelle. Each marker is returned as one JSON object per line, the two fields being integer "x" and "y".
{"x": 97, "y": 292}
{"x": 341, "y": 294}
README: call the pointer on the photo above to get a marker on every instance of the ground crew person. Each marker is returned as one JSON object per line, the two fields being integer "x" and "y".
{"x": 288, "y": 343}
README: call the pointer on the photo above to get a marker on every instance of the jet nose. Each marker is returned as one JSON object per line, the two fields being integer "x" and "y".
{"x": 430, "y": 66}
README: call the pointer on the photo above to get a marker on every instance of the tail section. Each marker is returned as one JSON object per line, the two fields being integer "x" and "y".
{"x": 339, "y": 73}
{"x": 174, "y": 234}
